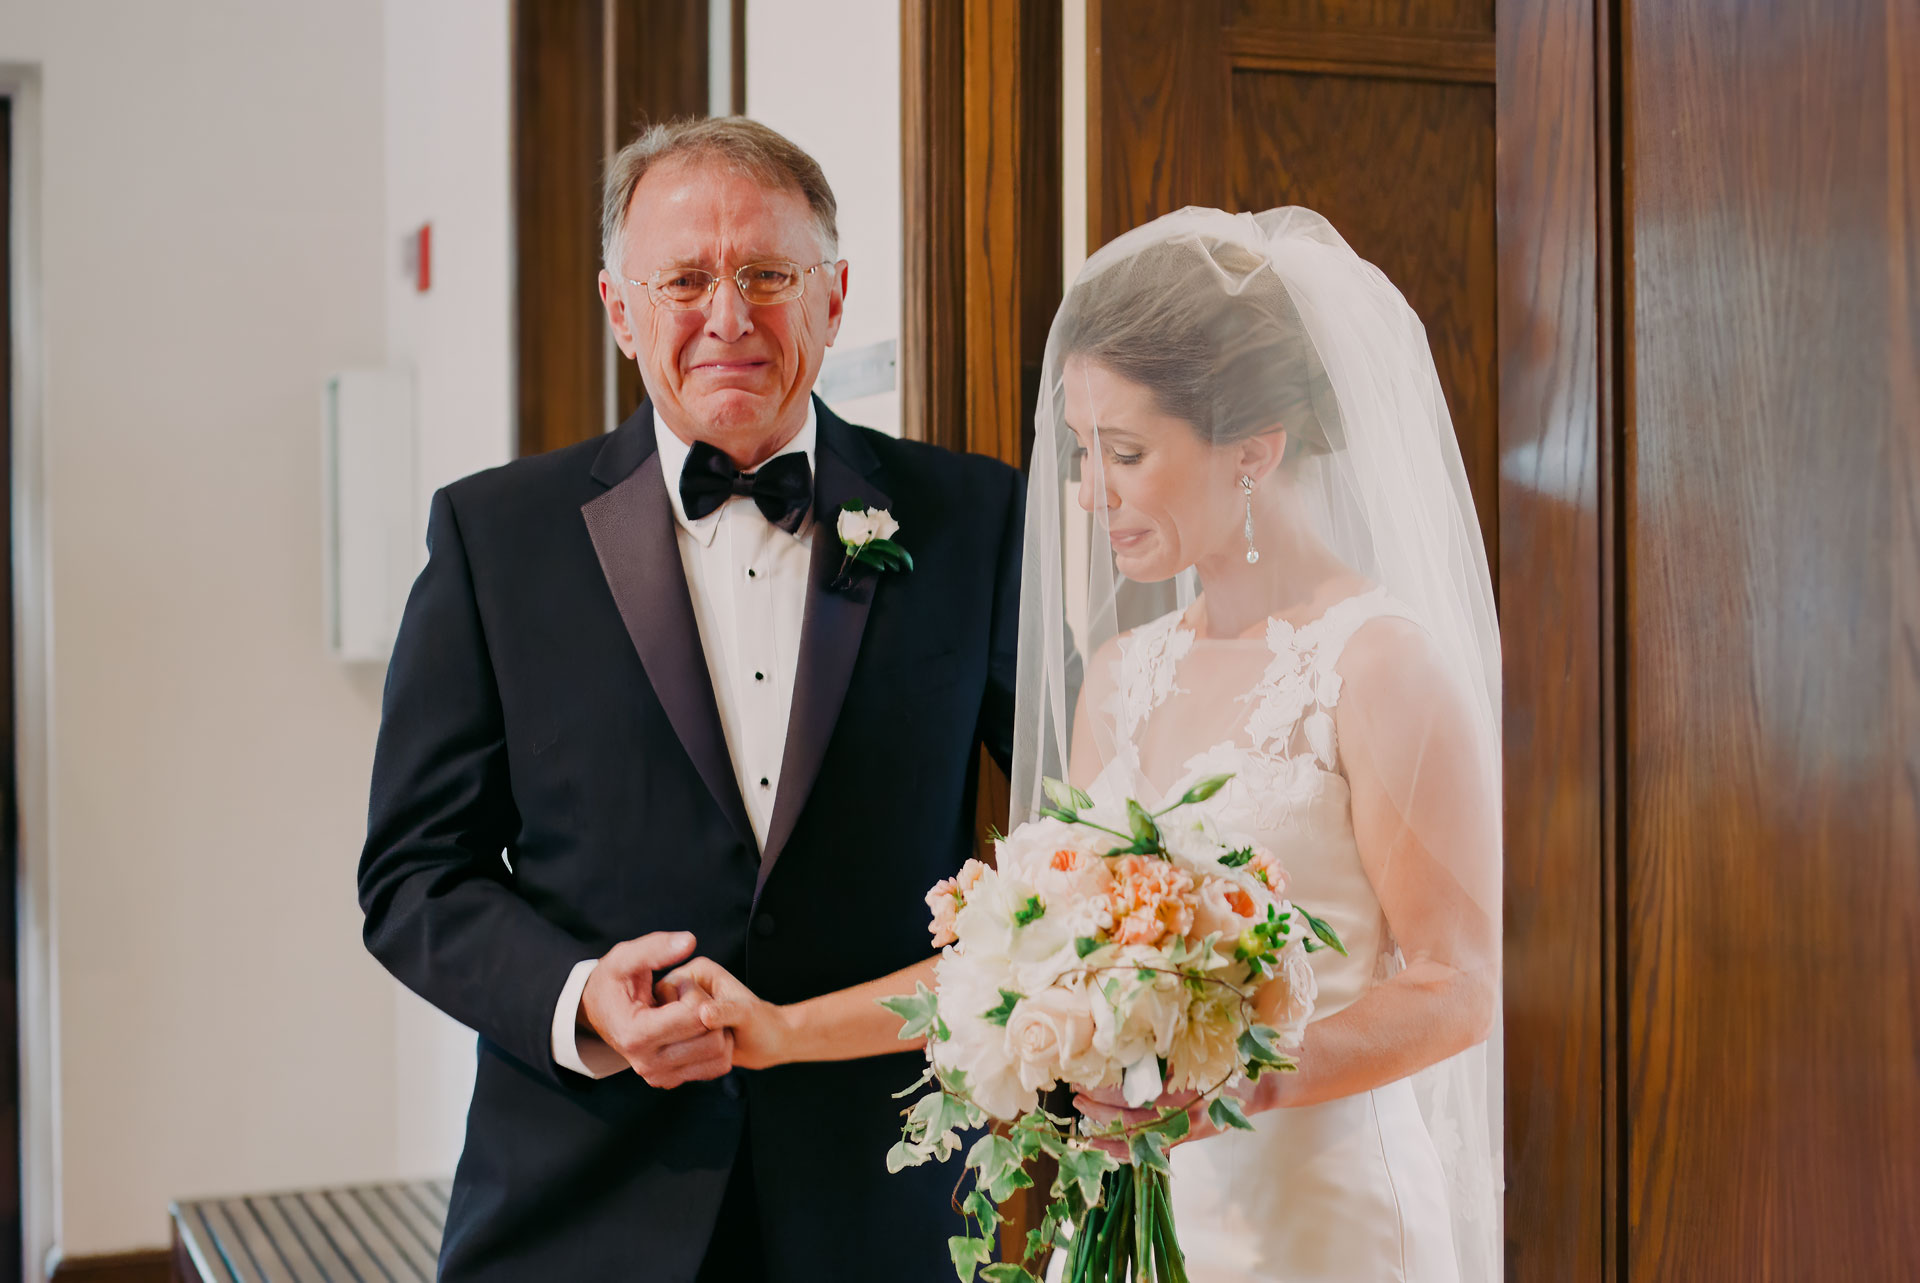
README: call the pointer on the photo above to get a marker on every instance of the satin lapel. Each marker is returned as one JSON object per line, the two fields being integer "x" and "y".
{"x": 831, "y": 630}
{"x": 632, "y": 530}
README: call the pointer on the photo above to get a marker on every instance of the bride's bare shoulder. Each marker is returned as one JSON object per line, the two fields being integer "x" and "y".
{"x": 1391, "y": 661}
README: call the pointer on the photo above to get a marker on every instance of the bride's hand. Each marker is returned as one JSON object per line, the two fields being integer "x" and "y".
{"x": 1105, "y": 1105}
{"x": 760, "y": 1029}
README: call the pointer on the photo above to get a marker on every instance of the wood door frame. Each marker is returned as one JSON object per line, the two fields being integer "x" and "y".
{"x": 1559, "y": 442}
{"x": 982, "y": 232}
{"x": 586, "y": 75}
{"x": 28, "y": 676}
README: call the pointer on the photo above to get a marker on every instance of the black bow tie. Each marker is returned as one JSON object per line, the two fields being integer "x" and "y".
{"x": 782, "y": 487}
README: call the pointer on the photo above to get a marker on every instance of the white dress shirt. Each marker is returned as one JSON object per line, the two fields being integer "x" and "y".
{"x": 748, "y": 581}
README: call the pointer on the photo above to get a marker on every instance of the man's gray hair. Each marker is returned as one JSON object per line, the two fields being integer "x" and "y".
{"x": 734, "y": 142}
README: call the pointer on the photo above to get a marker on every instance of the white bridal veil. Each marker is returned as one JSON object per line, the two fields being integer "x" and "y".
{"x": 1246, "y": 327}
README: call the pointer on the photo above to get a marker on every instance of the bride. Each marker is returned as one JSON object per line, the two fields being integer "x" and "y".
{"x": 1250, "y": 548}
{"x": 1250, "y": 529}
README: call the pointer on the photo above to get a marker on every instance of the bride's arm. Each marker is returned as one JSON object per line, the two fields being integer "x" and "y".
{"x": 1424, "y": 779}
{"x": 847, "y": 1024}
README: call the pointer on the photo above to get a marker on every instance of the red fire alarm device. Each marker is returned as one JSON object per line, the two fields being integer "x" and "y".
{"x": 416, "y": 253}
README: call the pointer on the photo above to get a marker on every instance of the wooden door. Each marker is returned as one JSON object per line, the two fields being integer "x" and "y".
{"x": 1381, "y": 121}
{"x": 1384, "y": 116}
{"x": 1772, "y": 588}
{"x": 587, "y": 76}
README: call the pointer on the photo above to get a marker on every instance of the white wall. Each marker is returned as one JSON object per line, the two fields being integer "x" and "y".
{"x": 826, "y": 73}
{"x": 212, "y": 242}
{"x": 448, "y": 151}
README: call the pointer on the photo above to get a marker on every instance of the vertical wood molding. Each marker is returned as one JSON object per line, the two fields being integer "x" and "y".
{"x": 1561, "y": 1086}
{"x": 658, "y": 72}
{"x": 992, "y": 119}
{"x": 559, "y": 126}
{"x": 586, "y": 75}
{"x": 737, "y": 59}
{"x": 933, "y": 348}
{"x": 980, "y": 139}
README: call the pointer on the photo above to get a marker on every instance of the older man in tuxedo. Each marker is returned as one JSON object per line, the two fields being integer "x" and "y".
{"x": 642, "y": 707}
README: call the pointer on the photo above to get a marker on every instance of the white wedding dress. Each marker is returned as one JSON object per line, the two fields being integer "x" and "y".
{"x": 1350, "y": 1189}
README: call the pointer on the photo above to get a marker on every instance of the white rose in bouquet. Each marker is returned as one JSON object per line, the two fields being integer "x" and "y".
{"x": 975, "y": 1043}
{"x": 1051, "y": 1037}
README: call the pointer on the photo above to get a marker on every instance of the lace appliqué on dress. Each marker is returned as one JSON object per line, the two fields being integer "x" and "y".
{"x": 1149, "y": 657}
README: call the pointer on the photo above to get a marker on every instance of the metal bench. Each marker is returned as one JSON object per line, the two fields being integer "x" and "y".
{"x": 360, "y": 1234}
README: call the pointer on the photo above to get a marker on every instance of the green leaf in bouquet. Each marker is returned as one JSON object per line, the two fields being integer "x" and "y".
{"x": 1034, "y": 1134}
{"x": 1204, "y": 789}
{"x": 1006, "y": 1272}
{"x": 1238, "y": 857}
{"x": 1085, "y": 945}
{"x": 1082, "y": 1168}
{"x": 998, "y": 1016}
{"x": 1174, "y": 1124}
{"x": 1225, "y": 1112}
{"x": 969, "y": 1254}
{"x": 938, "y": 1114}
{"x": 1324, "y": 931}
{"x": 982, "y": 1209}
{"x": 1055, "y": 813}
{"x": 1082, "y": 799}
{"x": 919, "y": 1010}
{"x": 1146, "y": 834}
{"x": 1258, "y": 1053}
{"x": 1030, "y": 912}
{"x": 926, "y": 1076}
{"x": 1150, "y": 1150}
{"x": 998, "y": 1162}
{"x": 903, "y": 1155}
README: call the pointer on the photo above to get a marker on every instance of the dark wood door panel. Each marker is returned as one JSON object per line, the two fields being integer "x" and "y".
{"x": 1773, "y": 887}
{"x": 1404, "y": 170}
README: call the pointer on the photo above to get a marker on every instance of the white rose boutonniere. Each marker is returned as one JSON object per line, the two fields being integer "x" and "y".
{"x": 867, "y": 535}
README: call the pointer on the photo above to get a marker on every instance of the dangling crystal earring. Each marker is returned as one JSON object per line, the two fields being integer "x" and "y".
{"x": 1246, "y": 488}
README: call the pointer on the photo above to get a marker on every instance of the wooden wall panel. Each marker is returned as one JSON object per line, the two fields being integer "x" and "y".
{"x": 1404, "y": 170}
{"x": 1157, "y": 114}
{"x": 559, "y": 142}
{"x": 1773, "y": 886}
{"x": 586, "y": 75}
{"x": 933, "y": 343}
{"x": 659, "y": 74}
{"x": 1556, "y": 492}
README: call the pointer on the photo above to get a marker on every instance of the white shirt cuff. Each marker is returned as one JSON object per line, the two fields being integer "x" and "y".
{"x": 583, "y": 1053}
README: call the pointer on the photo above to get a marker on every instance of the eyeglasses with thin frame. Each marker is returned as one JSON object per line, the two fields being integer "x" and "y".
{"x": 687, "y": 289}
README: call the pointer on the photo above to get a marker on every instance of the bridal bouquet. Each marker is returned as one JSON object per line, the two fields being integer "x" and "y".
{"x": 1106, "y": 947}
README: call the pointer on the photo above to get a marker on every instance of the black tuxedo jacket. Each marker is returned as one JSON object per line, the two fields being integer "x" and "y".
{"x": 551, "y": 778}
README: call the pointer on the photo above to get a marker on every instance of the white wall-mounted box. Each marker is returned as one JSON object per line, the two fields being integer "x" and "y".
{"x": 368, "y": 434}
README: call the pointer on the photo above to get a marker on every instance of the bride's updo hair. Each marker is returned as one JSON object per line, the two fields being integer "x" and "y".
{"x": 1207, "y": 327}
